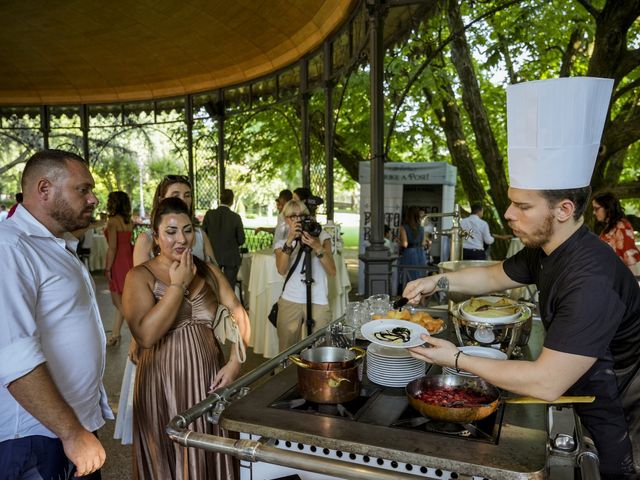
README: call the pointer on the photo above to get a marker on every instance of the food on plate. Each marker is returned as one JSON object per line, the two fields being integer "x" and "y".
{"x": 433, "y": 325}
{"x": 485, "y": 308}
{"x": 455, "y": 397}
{"x": 394, "y": 335}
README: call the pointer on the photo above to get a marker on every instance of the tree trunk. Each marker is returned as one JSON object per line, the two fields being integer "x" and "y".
{"x": 449, "y": 119}
{"x": 472, "y": 100}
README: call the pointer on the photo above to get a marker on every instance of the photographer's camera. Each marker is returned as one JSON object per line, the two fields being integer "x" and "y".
{"x": 309, "y": 225}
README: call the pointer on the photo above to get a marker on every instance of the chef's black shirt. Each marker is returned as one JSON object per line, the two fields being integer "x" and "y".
{"x": 590, "y": 305}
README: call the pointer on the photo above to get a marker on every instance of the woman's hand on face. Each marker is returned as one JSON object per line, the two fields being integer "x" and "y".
{"x": 182, "y": 272}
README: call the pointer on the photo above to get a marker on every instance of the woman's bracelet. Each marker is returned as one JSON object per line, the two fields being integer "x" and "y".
{"x": 288, "y": 249}
{"x": 180, "y": 286}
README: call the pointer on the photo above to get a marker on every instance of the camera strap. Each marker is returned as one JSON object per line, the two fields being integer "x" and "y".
{"x": 292, "y": 269}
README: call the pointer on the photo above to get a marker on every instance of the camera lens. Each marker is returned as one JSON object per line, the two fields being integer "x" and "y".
{"x": 310, "y": 226}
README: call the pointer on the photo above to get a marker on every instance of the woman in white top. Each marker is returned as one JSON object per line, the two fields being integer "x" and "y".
{"x": 292, "y": 305}
{"x": 172, "y": 186}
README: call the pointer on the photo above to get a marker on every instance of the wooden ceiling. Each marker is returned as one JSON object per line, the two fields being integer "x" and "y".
{"x": 93, "y": 51}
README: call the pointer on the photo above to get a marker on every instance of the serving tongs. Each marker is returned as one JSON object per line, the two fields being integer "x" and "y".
{"x": 399, "y": 303}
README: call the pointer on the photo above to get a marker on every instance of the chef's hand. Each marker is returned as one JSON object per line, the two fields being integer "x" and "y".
{"x": 182, "y": 272}
{"x": 439, "y": 352}
{"x": 416, "y": 289}
{"x": 226, "y": 375}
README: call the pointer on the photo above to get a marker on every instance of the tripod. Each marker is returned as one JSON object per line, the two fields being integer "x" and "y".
{"x": 308, "y": 280}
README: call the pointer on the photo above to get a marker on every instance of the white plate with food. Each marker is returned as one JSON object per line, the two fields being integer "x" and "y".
{"x": 434, "y": 325}
{"x": 394, "y": 333}
{"x": 491, "y": 309}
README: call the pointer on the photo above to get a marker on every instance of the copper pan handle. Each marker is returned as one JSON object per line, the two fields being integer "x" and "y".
{"x": 298, "y": 361}
{"x": 360, "y": 352}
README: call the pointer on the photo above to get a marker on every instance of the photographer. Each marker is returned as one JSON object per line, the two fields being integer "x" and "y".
{"x": 306, "y": 237}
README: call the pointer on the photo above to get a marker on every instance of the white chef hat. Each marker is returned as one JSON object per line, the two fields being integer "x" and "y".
{"x": 554, "y": 129}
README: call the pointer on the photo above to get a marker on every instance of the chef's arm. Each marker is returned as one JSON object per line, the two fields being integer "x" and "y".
{"x": 547, "y": 378}
{"x": 470, "y": 281}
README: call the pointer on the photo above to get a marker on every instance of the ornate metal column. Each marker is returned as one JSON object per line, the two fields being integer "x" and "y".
{"x": 220, "y": 117}
{"x": 84, "y": 126}
{"x": 376, "y": 258}
{"x": 304, "y": 123}
{"x": 45, "y": 126}
{"x": 328, "y": 126}
{"x": 188, "y": 119}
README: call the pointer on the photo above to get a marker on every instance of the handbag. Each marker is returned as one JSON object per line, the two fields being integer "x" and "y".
{"x": 226, "y": 328}
{"x": 273, "y": 314}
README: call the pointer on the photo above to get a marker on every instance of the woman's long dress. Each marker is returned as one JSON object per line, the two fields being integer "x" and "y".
{"x": 413, "y": 254}
{"x": 173, "y": 376}
{"x": 123, "y": 261}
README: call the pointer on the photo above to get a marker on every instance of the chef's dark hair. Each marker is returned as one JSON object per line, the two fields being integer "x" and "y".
{"x": 578, "y": 196}
{"x": 174, "y": 205}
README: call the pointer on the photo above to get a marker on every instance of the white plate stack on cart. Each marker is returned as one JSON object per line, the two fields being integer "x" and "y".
{"x": 392, "y": 367}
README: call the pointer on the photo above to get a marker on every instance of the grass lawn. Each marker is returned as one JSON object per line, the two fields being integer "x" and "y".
{"x": 350, "y": 236}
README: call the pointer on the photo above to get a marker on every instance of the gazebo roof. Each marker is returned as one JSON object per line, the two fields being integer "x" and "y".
{"x": 87, "y": 51}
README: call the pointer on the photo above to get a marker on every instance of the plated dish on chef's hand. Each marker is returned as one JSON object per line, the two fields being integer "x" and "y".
{"x": 491, "y": 309}
{"x": 433, "y": 324}
{"x": 394, "y": 333}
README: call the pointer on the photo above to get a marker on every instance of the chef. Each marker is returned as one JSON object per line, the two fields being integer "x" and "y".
{"x": 589, "y": 301}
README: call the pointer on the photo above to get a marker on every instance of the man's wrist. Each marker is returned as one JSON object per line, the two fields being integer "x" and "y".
{"x": 443, "y": 284}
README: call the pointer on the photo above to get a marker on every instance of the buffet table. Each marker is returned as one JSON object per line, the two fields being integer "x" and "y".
{"x": 264, "y": 288}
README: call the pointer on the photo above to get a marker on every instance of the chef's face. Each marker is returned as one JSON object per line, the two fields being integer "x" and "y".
{"x": 530, "y": 217}
{"x": 599, "y": 211}
{"x": 175, "y": 234}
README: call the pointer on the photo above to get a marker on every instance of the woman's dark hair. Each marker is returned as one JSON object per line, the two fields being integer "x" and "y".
{"x": 175, "y": 206}
{"x": 164, "y": 185}
{"x": 412, "y": 218}
{"x": 612, "y": 207}
{"x": 118, "y": 203}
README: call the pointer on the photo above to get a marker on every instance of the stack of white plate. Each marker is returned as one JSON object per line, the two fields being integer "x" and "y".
{"x": 474, "y": 351}
{"x": 392, "y": 367}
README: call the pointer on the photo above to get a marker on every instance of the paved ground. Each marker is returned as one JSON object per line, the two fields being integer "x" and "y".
{"x": 118, "y": 464}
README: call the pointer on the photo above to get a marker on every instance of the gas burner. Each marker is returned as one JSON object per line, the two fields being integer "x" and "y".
{"x": 292, "y": 401}
{"x": 456, "y": 429}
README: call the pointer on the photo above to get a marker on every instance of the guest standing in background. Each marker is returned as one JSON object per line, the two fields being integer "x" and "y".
{"x": 170, "y": 303}
{"x": 15, "y": 205}
{"x": 119, "y": 259}
{"x": 616, "y": 231}
{"x": 226, "y": 233}
{"x": 292, "y": 305}
{"x": 473, "y": 247}
{"x": 280, "y": 231}
{"x": 412, "y": 244}
{"x": 52, "y": 346}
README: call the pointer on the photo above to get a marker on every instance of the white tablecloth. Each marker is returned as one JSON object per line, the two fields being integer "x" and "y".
{"x": 98, "y": 251}
{"x": 265, "y": 287}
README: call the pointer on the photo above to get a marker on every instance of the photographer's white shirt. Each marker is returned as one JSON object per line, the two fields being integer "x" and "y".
{"x": 296, "y": 288}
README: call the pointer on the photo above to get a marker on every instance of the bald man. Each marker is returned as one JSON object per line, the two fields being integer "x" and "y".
{"x": 52, "y": 347}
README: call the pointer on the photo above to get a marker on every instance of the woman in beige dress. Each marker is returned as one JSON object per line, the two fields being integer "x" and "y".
{"x": 170, "y": 302}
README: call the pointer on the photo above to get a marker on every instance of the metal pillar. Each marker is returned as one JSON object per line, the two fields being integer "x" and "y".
{"x": 220, "y": 116}
{"x": 84, "y": 126}
{"x": 188, "y": 120}
{"x": 376, "y": 258}
{"x": 45, "y": 126}
{"x": 328, "y": 126}
{"x": 304, "y": 123}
